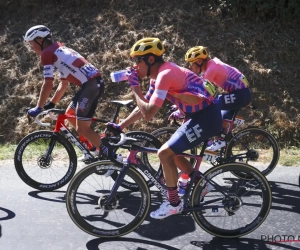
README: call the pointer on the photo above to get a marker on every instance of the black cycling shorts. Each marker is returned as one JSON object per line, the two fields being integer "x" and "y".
{"x": 86, "y": 99}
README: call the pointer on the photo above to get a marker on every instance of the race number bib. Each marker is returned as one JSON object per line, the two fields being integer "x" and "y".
{"x": 89, "y": 70}
{"x": 244, "y": 80}
{"x": 211, "y": 88}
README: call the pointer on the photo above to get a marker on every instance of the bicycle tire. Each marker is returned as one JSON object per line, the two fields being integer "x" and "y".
{"x": 48, "y": 174}
{"x": 165, "y": 134}
{"x": 89, "y": 189}
{"x": 263, "y": 150}
{"x": 244, "y": 195}
{"x": 150, "y": 141}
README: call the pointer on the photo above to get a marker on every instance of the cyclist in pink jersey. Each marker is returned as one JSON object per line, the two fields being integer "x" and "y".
{"x": 228, "y": 78}
{"x": 73, "y": 68}
{"x": 183, "y": 88}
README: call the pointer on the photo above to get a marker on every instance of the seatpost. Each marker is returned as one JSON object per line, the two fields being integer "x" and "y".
{"x": 116, "y": 113}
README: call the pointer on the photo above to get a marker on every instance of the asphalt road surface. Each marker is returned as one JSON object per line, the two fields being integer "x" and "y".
{"x": 35, "y": 220}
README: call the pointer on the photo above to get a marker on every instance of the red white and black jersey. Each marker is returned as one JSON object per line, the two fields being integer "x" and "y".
{"x": 69, "y": 63}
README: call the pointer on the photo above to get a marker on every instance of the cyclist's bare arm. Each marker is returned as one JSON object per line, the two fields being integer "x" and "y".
{"x": 61, "y": 89}
{"x": 45, "y": 92}
{"x": 147, "y": 109}
{"x": 134, "y": 116}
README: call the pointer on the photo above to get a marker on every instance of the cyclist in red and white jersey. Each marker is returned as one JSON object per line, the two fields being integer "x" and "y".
{"x": 72, "y": 68}
{"x": 226, "y": 77}
{"x": 184, "y": 89}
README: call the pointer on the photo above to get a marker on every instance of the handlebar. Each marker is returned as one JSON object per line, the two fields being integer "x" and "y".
{"x": 49, "y": 112}
{"x": 106, "y": 141}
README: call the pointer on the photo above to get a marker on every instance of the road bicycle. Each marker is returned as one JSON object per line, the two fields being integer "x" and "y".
{"x": 252, "y": 145}
{"x": 46, "y": 160}
{"x": 221, "y": 203}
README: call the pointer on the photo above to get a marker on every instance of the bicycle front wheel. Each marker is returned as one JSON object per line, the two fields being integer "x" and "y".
{"x": 45, "y": 161}
{"x": 88, "y": 193}
{"x": 232, "y": 207}
{"x": 256, "y": 147}
{"x": 151, "y": 160}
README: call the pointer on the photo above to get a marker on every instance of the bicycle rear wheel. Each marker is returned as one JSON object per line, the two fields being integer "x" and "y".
{"x": 244, "y": 209}
{"x": 45, "y": 161}
{"x": 88, "y": 191}
{"x": 256, "y": 147}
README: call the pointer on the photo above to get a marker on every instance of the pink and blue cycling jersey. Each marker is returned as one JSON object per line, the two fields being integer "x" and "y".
{"x": 175, "y": 80}
{"x": 225, "y": 76}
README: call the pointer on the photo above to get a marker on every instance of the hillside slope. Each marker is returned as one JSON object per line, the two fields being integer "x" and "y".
{"x": 265, "y": 49}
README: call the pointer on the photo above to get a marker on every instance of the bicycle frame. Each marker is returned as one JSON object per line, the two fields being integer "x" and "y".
{"x": 61, "y": 126}
{"x": 150, "y": 173}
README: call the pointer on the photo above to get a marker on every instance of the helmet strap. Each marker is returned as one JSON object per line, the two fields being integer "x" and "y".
{"x": 157, "y": 59}
{"x": 200, "y": 64}
{"x": 41, "y": 45}
{"x": 148, "y": 64}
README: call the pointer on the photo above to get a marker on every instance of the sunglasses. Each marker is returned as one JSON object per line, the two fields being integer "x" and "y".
{"x": 138, "y": 59}
{"x": 191, "y": 63}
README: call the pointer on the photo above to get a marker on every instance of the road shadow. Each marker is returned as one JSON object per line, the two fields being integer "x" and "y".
{"x": 229, "y": 244}
{"x": 127, "y": 243}
{"x": 285, "y": 194}
{"x": 8, "y": 214}
{"x": 54, "y": 196}
{"x": 214, "y": 244}
{"x": 240, "y": 244}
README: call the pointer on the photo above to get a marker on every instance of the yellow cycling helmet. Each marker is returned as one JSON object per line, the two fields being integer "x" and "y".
{"x": 149, "y": 45}
{"x": 195, "y": 53}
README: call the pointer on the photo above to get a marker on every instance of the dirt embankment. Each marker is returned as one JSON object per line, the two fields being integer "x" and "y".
{"x": 265, "y": 49}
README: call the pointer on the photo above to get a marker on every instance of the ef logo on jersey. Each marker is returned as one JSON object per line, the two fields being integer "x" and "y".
{"x": 229, "y": 98}
{"x": 193, "y": 133}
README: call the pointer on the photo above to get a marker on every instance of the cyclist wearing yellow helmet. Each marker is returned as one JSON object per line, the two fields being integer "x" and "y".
{"x": 183, "y": 88}
{"x": 228, "y": 78}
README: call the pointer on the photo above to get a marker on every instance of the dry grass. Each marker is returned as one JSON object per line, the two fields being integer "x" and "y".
{"x": 266, "y": 51}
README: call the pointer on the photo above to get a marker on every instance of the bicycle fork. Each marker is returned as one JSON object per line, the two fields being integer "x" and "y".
{"x": 117, "y": 184}
{"x": 45, "y": 161}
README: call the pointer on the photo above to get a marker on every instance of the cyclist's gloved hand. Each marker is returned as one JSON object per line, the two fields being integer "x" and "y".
{"x": 114, "y": 128}
{"x": 176, "y": 115}
{"x": 133, "y": 78}
{"x": 34, "y": 111}
{"x": 49, "y": 105}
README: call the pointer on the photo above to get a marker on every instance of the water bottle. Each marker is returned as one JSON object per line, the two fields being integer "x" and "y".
{"x": 119, "y": 76}
{"x": 206, "y": 190}
{"x": 182, "y": 184}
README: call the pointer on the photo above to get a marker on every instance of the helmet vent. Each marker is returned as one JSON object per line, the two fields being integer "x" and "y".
{"x": 147, "y": 47}
{"x": 159, "y": 46}
{"x": 137, "y": 48}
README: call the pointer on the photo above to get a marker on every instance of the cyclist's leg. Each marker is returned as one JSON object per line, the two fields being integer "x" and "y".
{"x": 228, "y": 103}
{"x": 85, "y": 109}
{"x": 173, "y": 205}
{"x": 228, "y": 121}
{"x": 71, "y": 111}
{"x": 200, "y": 127}
{"x": 208, "y": 121}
